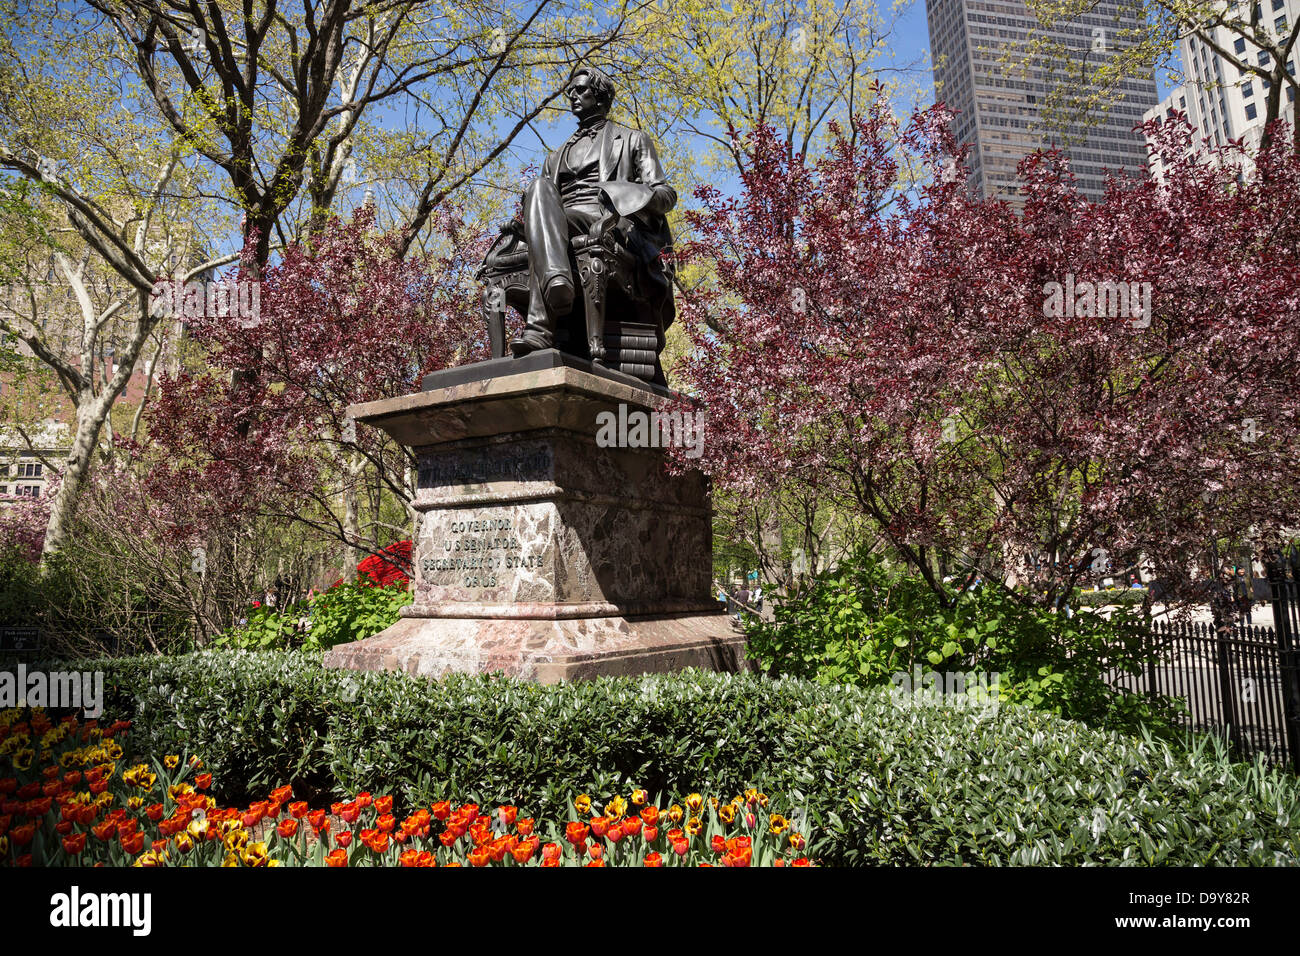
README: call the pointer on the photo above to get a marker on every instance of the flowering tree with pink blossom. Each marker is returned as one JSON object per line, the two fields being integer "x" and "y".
{"x": 347, "y": 319}
{"x": 23, "y": 519}
{"x": 875, "y": 332}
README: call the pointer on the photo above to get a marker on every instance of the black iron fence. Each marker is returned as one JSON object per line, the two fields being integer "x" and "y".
{"x": 1238, "y": 681}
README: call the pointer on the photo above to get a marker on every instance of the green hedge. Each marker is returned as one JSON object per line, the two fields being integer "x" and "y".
{"x": 881, "y": 782}
{"x": 1122, "y": 597}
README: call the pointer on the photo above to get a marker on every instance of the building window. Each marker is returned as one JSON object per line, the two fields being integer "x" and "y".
{"x": 1251, "y": 112}
{"x": 1240, "y": 45}
{"x": 1248, "y": 90}
{"x": 29, "y": 469}
{"x": 4, "y": 489}
{"x": 1277, "y": 4}
{"x": 1263, "y": 58}
{"x": 1280, "y": 24}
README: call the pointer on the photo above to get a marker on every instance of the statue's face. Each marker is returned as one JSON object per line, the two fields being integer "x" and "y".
{"x": 582, "y": 99}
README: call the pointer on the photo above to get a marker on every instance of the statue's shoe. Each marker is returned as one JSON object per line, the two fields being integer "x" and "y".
{"x": 525, "y": 344}
{"x": 559, "y": 296}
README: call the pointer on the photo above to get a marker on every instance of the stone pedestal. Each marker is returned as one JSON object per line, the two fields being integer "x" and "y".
{"x": 539, "y": 553}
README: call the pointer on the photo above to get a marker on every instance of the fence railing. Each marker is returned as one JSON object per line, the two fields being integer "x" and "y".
{"x": 1238, "y": 681}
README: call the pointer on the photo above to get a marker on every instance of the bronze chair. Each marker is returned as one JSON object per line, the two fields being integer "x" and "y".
{"x": 620, "y": 337}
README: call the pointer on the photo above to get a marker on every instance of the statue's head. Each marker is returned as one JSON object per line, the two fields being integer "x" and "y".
{"x": 590, "y": 92}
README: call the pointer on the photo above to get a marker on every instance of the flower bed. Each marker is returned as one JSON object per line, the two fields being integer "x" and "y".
{"x": 80, "y": 804}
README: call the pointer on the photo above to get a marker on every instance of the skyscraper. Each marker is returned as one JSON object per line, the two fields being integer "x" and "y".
{"x": 1000, "y": 110}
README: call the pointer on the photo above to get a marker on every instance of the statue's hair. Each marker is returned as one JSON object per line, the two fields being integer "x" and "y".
{"x": 599, "y": 82}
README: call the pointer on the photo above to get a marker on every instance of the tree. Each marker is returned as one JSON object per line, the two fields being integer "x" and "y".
{"x": 221, "y": 114}
{"x": 345, "y": 319}
{"x": 905, "y": 348}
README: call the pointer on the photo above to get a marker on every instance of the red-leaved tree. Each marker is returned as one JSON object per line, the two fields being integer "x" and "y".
{"x": 347, "y": 319}
{"x": 905, "y": 348}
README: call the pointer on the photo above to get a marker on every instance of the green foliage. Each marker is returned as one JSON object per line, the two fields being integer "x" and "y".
{"x": 864, "y": 622}
{"x": 344, "y": 613}
{"x": 24, "y": 599}
{"x": 880, "y": 782}
{"x": 1121, "y": 597}
{"x": 80, "y": 607}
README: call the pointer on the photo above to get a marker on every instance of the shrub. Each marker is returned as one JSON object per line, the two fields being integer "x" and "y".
{"x": 388, "y": 567}
{"x": 863, "y": 622}
{"x": 344, "y": 613}
{"x": 80, "y": 607}
{"x": 878, "y": 782}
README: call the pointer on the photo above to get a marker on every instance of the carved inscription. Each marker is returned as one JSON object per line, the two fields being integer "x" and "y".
{"x": 472, "y": 552}
{"x": 469, "y": 468}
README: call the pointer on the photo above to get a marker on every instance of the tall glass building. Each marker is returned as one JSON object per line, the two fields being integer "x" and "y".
{"x": 1000, "y": 108}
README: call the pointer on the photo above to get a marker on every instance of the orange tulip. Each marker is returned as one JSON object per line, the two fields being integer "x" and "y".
{"x": 653, "y": 859}
{"x": 576, "y": 833}
{"x": 336, "y": 858}
{"x": 73, "y": 845}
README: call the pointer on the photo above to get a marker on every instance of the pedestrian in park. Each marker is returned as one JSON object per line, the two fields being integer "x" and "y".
{"x": 1223, "y": 606}
{"x": 742, "y": 602}
{"x": 758, "y": 598}
{"x": 1245, "y": 597}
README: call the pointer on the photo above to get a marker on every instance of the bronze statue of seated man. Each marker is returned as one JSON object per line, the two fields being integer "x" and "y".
{"x": 605, "y": 181}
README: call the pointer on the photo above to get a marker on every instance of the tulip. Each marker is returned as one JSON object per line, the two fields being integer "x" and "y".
{"x": 73, "y": 845}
